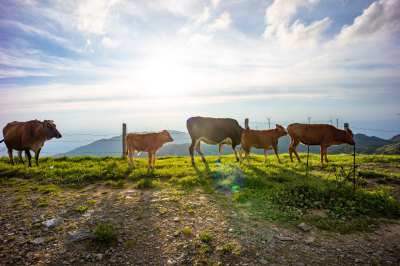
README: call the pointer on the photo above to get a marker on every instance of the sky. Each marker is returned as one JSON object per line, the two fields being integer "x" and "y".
{"x": 92, "y": 65}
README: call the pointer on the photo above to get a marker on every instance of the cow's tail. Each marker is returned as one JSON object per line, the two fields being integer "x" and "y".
{"x": 1, "y": 140}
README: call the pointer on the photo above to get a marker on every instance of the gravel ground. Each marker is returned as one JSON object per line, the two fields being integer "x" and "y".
{"x": 164, "y": 227}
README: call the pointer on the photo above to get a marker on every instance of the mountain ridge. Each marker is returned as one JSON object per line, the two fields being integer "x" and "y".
{"x": 179, "y": 147}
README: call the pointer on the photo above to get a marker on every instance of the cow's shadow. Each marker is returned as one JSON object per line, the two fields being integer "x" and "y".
{"x": 206, "y": 173}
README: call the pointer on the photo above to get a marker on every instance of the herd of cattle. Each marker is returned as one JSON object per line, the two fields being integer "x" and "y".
{"x": 31, "y": 135}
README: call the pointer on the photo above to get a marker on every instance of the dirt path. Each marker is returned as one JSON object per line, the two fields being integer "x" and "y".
{"x": 164, "y": 227}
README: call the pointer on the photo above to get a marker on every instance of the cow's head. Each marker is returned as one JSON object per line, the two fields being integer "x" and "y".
{"x": 50, "y": 130}
{"x": 281, "y": 130}
{"x": 166, "y": 136}
{"x": 349, "y": 137}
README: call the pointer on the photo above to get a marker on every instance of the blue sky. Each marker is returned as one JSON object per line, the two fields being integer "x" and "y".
{"x": 92, "y": 65}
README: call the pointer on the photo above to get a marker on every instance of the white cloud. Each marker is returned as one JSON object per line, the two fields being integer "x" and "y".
{"x": 378, "y": 22}
{"x": 222, "y": 22}
{"x": 109, "y": 42}
{"x": 278, "y": 16}
{"x": 215, "y": 2}
{"x": 93, "y": 16}
{"x": 204, "y": 17}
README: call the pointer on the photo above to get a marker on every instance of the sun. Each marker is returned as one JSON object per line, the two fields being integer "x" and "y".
{"x": 160, "y": 76}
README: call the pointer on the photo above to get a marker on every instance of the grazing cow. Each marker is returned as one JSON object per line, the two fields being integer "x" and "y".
{"x": 317, "y": 134}
{"x": 213, "y": 131}
{"x": 30, "y": 135}
{"x": 148, "y": 142}
{"x": 261, "y": 139}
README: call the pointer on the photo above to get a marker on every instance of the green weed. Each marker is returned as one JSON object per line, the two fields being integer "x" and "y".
{"x": 104, "y": 233}
{"x": 205, "y": 237}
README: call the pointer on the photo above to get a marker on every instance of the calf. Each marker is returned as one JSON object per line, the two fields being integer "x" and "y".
{"x": 213, "y": 131}
{"x": 148, "y": 142}
{"x": 26, "y": 136}
{"x": 261, "y": 139}
{"x": 317, "y": 134}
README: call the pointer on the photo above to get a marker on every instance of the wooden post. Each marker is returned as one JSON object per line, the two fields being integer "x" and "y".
{"x": 308, "y": 154}
{"x": 354, "y": 168}
{"x": 346, "y": 146}
{"x": 123, "y": 139}
{"x": 246, "y": 123}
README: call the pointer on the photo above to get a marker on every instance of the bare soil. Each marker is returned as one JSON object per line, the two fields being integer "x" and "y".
{"x": 150, "y": 226}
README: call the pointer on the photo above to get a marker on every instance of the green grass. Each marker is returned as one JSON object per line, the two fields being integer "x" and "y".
{"x": 280, "y": 193}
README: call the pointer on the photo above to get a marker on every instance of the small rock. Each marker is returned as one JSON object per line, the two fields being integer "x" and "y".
{"x": 51, "y": 167}
{"x": 80, "y": 235}
{"x": 264, "y": 262}
{"x": 38, "y": 240}
{"x": 284, "y": 238}
{"x": 176, "y": 219}
{"x": 98, "y": 256}
{"x": 53, "y": 222}
{"x": 304, "y": 227}
{"x": 170, "y": 262}
{"x": 310, "y": 240}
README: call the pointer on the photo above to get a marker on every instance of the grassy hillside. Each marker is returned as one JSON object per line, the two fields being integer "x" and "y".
{"x": 275, "y": 192}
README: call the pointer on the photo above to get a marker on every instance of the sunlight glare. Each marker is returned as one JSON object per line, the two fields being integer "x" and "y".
{"x": 163, "y": 77}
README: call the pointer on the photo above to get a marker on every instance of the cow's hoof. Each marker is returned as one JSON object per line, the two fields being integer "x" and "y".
{"x": 218, "y": 161}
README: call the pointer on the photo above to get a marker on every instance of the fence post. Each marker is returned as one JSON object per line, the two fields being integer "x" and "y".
{"x": 346, "y": 146}
{"x": 308, "y": 154}
{"x": 123, "y": 139}
{"x": 246, "y": 123}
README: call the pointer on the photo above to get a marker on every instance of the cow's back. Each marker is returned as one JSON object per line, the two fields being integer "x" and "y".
{"x": 142, "y": 142}
{"x": 18, "y": 135}
{"x": 313, "y": 134}
{"x": 216, "y": 129}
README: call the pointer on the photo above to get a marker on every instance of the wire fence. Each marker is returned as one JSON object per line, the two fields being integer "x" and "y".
{"x": 117, "y": 137}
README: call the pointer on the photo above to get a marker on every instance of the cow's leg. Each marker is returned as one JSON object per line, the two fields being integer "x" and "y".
{"x": 292, "y": 148}
{"x": 276, "y": 153}
{"x": 10, "y": 153}
{"x": 326, "y": 155}
{"x": 150, "y": 159}
{"x": 323, "y": 153}
{"x": 220, "y": 148}
{"x": 197, "y": 148}
{"x": 27, "y": 153}
{"x": 191, "y": 150}
{"x": 265, "y": 155}
{"x": 131, "y": 153}
{"x": 20, "y": 157}
{"x": 235, "y": 151}
{"x": 154, "y": 159}
{"x": 240, "y": 153}
{"x": 247, "y": 152}
{"x": 37, "y": 156}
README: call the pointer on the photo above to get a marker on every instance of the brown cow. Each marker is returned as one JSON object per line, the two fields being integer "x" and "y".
{"x": 261, "y": 139}
{"x": 317, "y": 134}
{"x": 30, "y": 135}
{"x": 213, "y": 131}
{"x": 148, "y": 142}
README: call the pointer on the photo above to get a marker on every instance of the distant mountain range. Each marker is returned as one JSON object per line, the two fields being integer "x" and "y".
{"x": 181, "y": 143}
